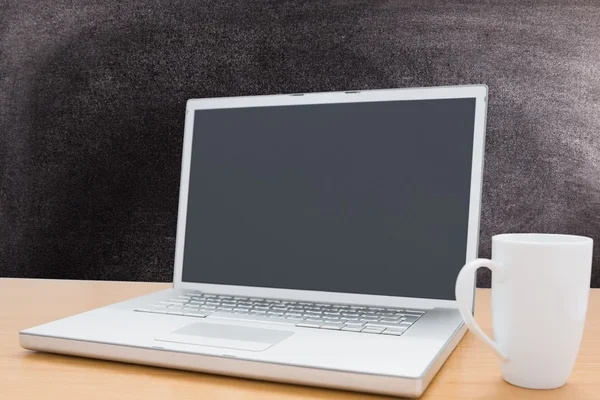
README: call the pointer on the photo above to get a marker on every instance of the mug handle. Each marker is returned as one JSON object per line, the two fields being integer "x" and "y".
{"x": 464, "y": 286}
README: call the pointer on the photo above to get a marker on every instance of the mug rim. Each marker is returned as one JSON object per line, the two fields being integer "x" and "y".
{"x": 542, "y": 238}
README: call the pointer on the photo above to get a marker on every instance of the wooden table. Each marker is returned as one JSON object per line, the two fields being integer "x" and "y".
{"x": 471, "y": 372}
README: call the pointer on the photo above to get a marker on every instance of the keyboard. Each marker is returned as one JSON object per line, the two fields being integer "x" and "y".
{"x": 344, "y": 317}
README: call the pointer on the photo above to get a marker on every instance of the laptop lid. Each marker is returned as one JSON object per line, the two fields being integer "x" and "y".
{"x": 364, "y": 197}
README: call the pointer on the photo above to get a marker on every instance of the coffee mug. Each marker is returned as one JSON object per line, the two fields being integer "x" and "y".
{"x": 539, "y": 297}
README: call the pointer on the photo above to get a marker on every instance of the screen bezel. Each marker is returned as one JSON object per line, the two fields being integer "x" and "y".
{"x": 478, "y": 92}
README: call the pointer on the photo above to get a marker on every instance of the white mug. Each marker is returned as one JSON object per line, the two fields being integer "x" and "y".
{"x": 540, "y": 289}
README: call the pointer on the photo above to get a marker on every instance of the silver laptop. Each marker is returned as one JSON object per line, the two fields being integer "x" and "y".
{"x": 319, "y": 237}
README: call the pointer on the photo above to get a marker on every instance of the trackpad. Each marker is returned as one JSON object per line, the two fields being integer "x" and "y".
{"x": 229, "y": 336}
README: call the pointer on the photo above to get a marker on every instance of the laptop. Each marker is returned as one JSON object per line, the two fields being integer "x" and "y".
{"x": 319, "y": 236}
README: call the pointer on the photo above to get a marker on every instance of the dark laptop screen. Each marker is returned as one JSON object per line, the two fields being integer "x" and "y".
{"x": 369, "y": 198}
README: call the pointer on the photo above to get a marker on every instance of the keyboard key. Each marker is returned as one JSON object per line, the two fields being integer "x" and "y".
{"x": 352, "y": 328}
{"x": 275, "y": 312}
{"x": 417, "y": 312}
{"x": 393, "y": 310}
{"x": 410, "y": 318}
{"x": 382, "y": 324}
{"x": 293, "y": 318}
{"x": 174, "y": 312}
{"x": 313, "y": 310}
{"x": 394, "y": 332}
{"x": 373, "y": 329}
{"x": 225, "y": 308}
{"x": 316, "y": 320}
{"x": 258, "y": 312}
{"x": 332, "y": 326}
{"x": 353, "y": 323}
{"x": 350, "y": 314}
{"x": 387, "y": 314}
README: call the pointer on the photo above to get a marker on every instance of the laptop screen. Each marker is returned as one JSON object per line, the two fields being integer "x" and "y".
{"x": 368, "y": 198}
